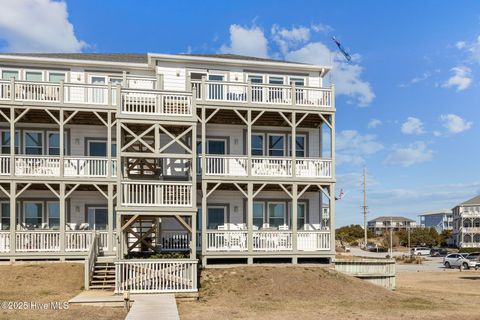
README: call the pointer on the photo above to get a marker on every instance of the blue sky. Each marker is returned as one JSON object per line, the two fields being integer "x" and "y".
{"x": 407, "y": 104}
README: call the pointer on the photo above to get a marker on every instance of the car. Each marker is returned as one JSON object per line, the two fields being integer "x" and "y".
{"x": 420, "y": 251}
{"x": 438, "y": 252}
{"x": 460, "y": 260}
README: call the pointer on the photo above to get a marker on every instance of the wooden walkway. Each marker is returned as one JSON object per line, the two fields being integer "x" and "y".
{"x": 154, "y": 306}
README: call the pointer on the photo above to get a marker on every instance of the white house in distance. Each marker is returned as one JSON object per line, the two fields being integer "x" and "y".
{"x": 386, "y": 223}
{"x": 108, "y": 156}
{"x": 440, "y": 220}
{"x": 466, "y": 223}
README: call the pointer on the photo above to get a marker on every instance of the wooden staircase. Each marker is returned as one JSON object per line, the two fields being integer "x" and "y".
{"x": 103, "y": 275}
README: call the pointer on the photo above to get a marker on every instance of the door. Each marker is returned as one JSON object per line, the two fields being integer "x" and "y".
{"x": 98, "y": 94}
{"x": 216, "y": 165}
{"x": 98, "y": 218}
{"x": 215, "y": 90}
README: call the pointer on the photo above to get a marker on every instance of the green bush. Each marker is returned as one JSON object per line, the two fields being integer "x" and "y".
{"x": 420, "y": 237}
{"x": 351, "y": 233}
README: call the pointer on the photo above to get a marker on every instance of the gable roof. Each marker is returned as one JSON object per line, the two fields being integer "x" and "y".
{"x": 474, "y": 200}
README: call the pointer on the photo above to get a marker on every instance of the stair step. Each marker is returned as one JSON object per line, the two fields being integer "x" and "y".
{"x": 110, "y": 282}
{"x": 110, "y": 276}
{"x": 102, "y": 287}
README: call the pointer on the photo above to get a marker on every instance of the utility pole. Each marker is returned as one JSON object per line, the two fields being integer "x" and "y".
{"x": 365, "y": 205}
{"x": 391, "y": 237}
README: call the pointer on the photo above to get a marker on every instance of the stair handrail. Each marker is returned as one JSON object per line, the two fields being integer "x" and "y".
{"x": 91, "y": 259}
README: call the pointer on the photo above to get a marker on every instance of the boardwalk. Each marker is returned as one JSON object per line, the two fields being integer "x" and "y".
{"x": 152, "y": 307}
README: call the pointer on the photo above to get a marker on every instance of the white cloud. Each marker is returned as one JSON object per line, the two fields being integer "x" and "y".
{"x": 321, "y": 28}
{"x": 373, "y": 123}
{"x": 437, "y": 133}
{"x": 37, "y": 26}
{"x": 346, "y": 76}
{"x": 246, "y": 41}
{"x": 454, "y": 123}
{"x": 460, "y": 44}
{"x": 461, "y": 78}
{"x": 412, "y": 126}
{"x": 406, "y": 156}
{"x": 287, "y": 38}
{"x": 352, "y": 147}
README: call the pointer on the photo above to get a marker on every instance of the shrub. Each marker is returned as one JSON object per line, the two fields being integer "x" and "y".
{"x": 468, "y": 250}
{"x": 410, "y": 259}
{"x": 351, "y": 233}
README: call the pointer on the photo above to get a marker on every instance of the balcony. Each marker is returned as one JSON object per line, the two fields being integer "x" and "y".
{"x": 133, "y": 101}
{"x": 267, "y": 241}
{"x": 262, "y": 94}
{"x": 49, "y": 166}
{"x": 471, "y": 229}
{"x": 157, "y": 194}
{"x": 227, "y": 165}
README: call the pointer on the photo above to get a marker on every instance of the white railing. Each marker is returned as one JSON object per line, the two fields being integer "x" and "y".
{"x": 272, "y": 240}
{"x": 471, "y": 229}
{"x": 157, "y": 194}
{"x": 5, "y": 90}
{"x": 4, "y": 241}
{"x": 226, "y": 165}
{"x": 88, "y": 167}
{"x": 314, "y": 168}
{"x": 149, "y": 276}
{"x": 470, "y": 244}
{"x": 313, "y": 240}
{"x": 37, "y": 166}
{"x": 78, "y": 241}
{"x": 271, "y": 167}
{"x": 37, "y": 241}
{"x": 239, "y": 92}
{"x": 175, "y": 241}
{"x": 50, "y": 166}
{"x": 149, "y": 102}
{"x": 37, "y": 91}
{"x": 4, "y": 165}
{"x": 227, "y": 240}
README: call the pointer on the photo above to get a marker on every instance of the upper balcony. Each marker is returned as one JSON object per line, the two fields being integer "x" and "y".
{"x": 261, "y": 95}
{"x": 134, "y": 102}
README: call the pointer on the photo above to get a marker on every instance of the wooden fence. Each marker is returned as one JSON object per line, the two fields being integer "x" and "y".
{"x": 377, "y": 271}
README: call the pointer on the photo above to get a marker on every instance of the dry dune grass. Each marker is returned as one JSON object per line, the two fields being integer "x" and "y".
{"x": 46, "y": 282}
{"x": 318, "y": 293}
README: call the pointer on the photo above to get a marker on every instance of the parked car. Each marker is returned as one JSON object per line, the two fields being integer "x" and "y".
{"x": 438, "y": 252}
{"x": 460, "y": 260}
{"x": 420, "y": 251}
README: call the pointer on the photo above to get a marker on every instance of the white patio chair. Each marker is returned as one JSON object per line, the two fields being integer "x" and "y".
{"x": 221, "y": 227}
{"x": 316, "y": 226}
{"x": 266, "y": 226}
{"x": 83, "y": 226}
{"x": 283, "y": 227}
{"x": 44, "y": 225}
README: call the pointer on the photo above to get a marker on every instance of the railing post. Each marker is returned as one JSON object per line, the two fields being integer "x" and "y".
{"x": 62, "y": 92}
{"x": 109, "y": 94}
{"x": 203, "y": 89}
{"x": 12, "y": 89}
{"x": 294, "y": 94}
{"x": 159, "y": 83}
{"x": 119, "y": 99}
{"x": 249, "y": 91}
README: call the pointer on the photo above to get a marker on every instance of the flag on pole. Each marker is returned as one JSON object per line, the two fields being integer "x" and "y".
{"x": 342, "y": 49}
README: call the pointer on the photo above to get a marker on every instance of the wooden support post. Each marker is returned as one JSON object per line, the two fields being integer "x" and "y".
{"x": 193, "y": 242}
{"x": 294, "y": 217}
{"x": 110, "y": 217}
{"x": 62, "y": 217}
{"x": 109, "y": 144}
{"x": 293, "y": 144}
{"x": 62, "y": 142}
{"x": 12, "y": 141}
{"x": 204, "y": 219}
{"x": 332, "y": 216}
{"x": 13, "y": 215}
{"x": 250, "y": 217}
{"x": 249, "y": 143}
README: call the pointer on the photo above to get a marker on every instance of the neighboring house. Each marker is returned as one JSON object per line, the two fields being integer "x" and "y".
{"x": 116, "y": 154}
{"x": 382, "y": 224}
{"x": 466, "y": 223}
{"x": 440, "y": 220}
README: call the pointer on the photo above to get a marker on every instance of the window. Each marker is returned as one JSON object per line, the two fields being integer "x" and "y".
{"x": 98, "y": 218}
{"x": 216, "y": 217}
{"x": 276, "y": 145}
{"x": 53, "y": 143}
{"x": 56, "y": 77}
{"x": 5, "y": 141}
{"x": 33, "y": 214}
{"x": 255, "y": 79}
{"x": 98, "y": 148}
{"x": 199, "y": 219}
{"x": 275, "y": 80}
{"x": 216, "y": 146}
{"x": 257, "y": 90}
{"x": 258, "y": 214}
{"x": 300, "y": 145}
{"x": 33, "y": 76}
{"x": 297, "y": 81}
{"x": 257, "y": 144}
{"x": 301, "y": 215}
{"x": 276, "y": 214}
{"x": 33, "y": 142}
{"x": 53, "y": 215}
{"x": 5, "y": 219}
{"x": 9, "y": 74}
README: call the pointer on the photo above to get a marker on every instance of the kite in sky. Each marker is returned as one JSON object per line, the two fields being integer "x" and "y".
{"x": 342, "y": 49}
